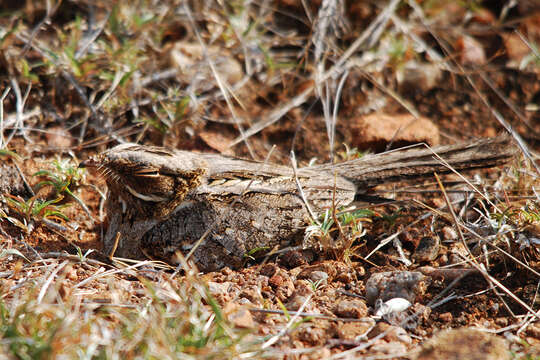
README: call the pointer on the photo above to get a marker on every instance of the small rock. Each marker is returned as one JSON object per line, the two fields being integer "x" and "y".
{"x": 318, "y": 277}
{"x": 391, "y": 333}
{"x": 282, "y": 285}
{"x": 375, "y": 131}
{"x": 422, "y": 312}
{"x": 252, "y": 293}
{"x": 533, "y": 330}
{"x": 239, "y": 315}
{"x": 275, "y": 281}
{"x": 302, "y": 287}
{"x": 345, "y": 278}
{"x": 502, "y": 322}
{"x": 70, "y": 272}
{"x": 328, "y": 267}
{"x": 59, "y": 137}
{"x": 463, "y": 344}
{"x": 390, "y": 306}
{"x": 516, "y": 49}
{"x": 449, "y": 233}
{"x": 295, "y": 302}
{"x": 446, "y": 317}
{"x": 191, "y": 61}
{"x": 394, "y": 348}
{"x": 218, "y": 288}
{"x": 427, "y": 249}
{"x": 217, "y": 139}
{"x": 269, "y": 269}
{"x": 312, "y": 335}
{"x": 396, "y": 284}
{"x": 360, "y": 271}
{"x": 227, "y": 271}
{"x": 292, "y": 259}
{"x": 64, "y": 291}
{"x": 352, "y": 309}
{"x": 321, "y": 353}
{"x": 419, "y": 77}
{"x": 470, "y": 51}
{"x": 353, "y": 330}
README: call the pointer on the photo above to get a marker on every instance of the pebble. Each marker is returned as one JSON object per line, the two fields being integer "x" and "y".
{"x": 354, "y": 330}
{"x": 269, "y": 270}
{"x": 354, "y": 309}
{"x": 446, "y": 317}
{"x": 422, "y": 312}
{"x": 276, "y": 280}
{"x": 394, "y": 348}
{"x": 501, "y": 321}
{"x": 378, "y": 129}
{"x": 396, "y": 284}
{"x": 285, "y": 289}
{"x": 295, "y": 302}
{"x": 345, "y": 278}
{"x": 218, "y": 288}
{"x": 533, "y": 330}
{"x": 449, "y": 233}
{"x": 392, "y": 305}
{"x": 331, "y": 268}
{"x": 391, "y": 333}
{"x": 427, "y": 249}
{"x": 318, "y": 277}
{"x": 239, "y": 315}
{"x": 463, "y": 344}
{"x": 312, "y": 335}
{"x": 292, "y": 259}
{"x": 253, "y": 294}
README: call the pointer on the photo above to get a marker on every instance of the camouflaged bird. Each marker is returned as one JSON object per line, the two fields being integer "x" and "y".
{"x": 163, "y": 201}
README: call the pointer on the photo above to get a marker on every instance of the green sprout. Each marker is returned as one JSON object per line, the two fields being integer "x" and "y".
{"x": 65, "y": 175}
{"x": 11, "y": 154}
{"x": 349, "y": 220}
{"x": 33, "y": 209}
{"x": 250, "y": 254}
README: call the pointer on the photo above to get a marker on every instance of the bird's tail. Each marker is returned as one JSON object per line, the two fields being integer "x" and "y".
{"x": 376, "y": 169}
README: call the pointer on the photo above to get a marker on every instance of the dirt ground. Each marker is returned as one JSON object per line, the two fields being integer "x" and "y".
{"x": 77, "y": 78}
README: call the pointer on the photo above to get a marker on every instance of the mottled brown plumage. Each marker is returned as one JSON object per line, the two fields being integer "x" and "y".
{"x": 163, "y": 201}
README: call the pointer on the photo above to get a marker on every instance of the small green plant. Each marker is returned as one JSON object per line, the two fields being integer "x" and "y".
{"x": 520, "y": 217}
{"x": 354, "y": 219}
{"x": 33, "y": 209}
{"x": 66, "y": 175}
{"x": 350, "y": 154}
{"x": 284, "y": 309}
{"x": 398, "y": 49}
{"x": 315, "y": 285}
{"x": 82, "y": 257}
{"x": 11, "y": 154}
{"x": 250, "y": 254}
{"x": 391, "y": 218}
{"x": 24, "y": 345}
{"x": 321, "y": 229}
{"x": 349, "y": 227}
{"x": 158, "y": 124}
{"x": 26, "y": 72}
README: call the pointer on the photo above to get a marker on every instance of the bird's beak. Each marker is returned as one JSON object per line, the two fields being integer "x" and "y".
{"x": 89, "y": 163}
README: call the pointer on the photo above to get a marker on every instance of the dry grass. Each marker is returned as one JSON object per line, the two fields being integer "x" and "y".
{"x": 76, "y": 76}
{"x": 49, "y": 309}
